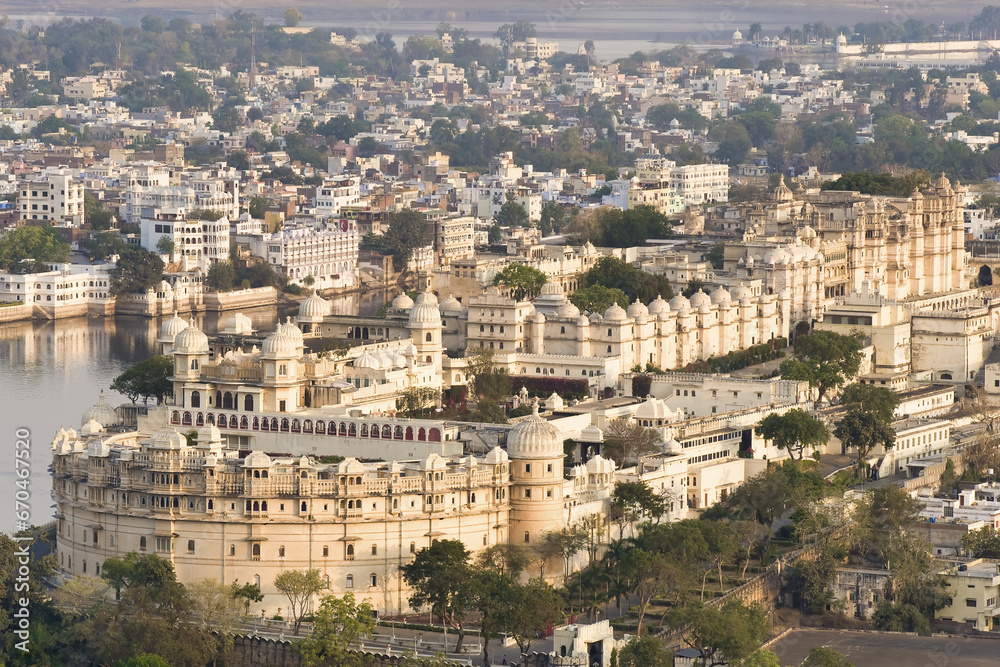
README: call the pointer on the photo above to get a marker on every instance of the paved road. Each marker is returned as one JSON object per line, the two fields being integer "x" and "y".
{"x": 865, "y": 648}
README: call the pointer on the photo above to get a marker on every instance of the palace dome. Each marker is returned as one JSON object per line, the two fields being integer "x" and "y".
{"x": 534, "y": 438}
{"x": 425, "y": 311}
{"x": 450, "y": 305}
{"x": 568, "y": 310}
{"x": 167, "y": 438}
{"x": 238, "y": 324}
{"x": 699, "y": 299}
{"x": 91, "y": 428}
{"x": 721, "y": 296}
{"x": 402, "y": 302}
{"x": 637, "y": 309}
{"x": 291, "y": 330}
{"x": 191, "y": 341}
{"x": 279, "y": 344}
{"x": 172, "y": 327}
{"x": 658, "y": 305}
{"x": 101, "y": 412}
{"x": 742, "y": 292}
{"x": 652, "y": 408}
{"x": 551, "y": 289}
{"x": 615, "y": 313}
{"x": 679, "y": 303}
{"x": 257, "y": 459}
{"x": 315, "y": 307}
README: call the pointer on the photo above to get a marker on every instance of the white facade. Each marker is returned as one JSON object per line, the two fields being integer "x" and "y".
{"x": 52, "y": 196}
{"x": 329, "y": 255}
{"x": 337, "y": 193}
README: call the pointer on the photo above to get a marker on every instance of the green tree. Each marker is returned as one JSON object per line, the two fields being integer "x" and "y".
{"x": 299, "y": 586}
{"x": 226, "y": 119}
{"x": 257, "y": 207}
{"x": 795, "y": 431}
{"x": 339, "y": 622}
{"x": 896, "y": 617}
{"x": 521, "y": 281}
{"x": 982, "y": 543}
{"x": 221, "y": 276}
{"x": 292, "y": 17}
{"x": 512, "y": 213}
{"x": 864, "y": 431}
{"x": 247, "y": 594}
{"x": 761, "y": 658}
{"x": 238, "y": 160}
{"x": 442, "y": 578}
{"x": 645, "y": 651}
{"x": 723, "y": 634}
{"x": 137, "y": 271}
{"x": 147, "y": 379}
{"x": 144, "y": 660}
{"x": 165, "y": 246}
{"x": 878, "y": 401}
{"x": 408, "y": 230}
{"x": 31, "y": 249}
{"x": 102, "y": 245}
{"x": 716, "y": 256}
{"x": 733, "y": 142}
{"x": 598, "y": 298}
{"x": 823, "y": 656}
{"x": 618, "y": 274}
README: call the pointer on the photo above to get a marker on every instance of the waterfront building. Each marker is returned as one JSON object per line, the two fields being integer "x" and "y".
{"x": 328, "y": 254}
{"x": 53, "y": 196}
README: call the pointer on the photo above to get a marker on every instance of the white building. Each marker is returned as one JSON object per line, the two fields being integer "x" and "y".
{"x": 329, "y": 255}
{"x": 197, "y": 243}
{"x": 336, "y": 193}
{"x": 52, "y": 196}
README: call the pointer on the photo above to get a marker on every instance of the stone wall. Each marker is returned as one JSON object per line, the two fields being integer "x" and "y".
{"x": 240, "y": 299}
{"x": 262, "y": 652}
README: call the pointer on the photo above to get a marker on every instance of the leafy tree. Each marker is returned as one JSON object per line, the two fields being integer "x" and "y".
{"x": 982, "y": 543}
{"x": 31, "y": 249}
{"x": 879, "y": 401}
{"x": 147, "y": 379}
{"x": 795, "y": 431}
{"x": 238, "y": 160}
{"x": 723, "y": 634}
{"x": 716, "y": 256}
{"x": 896, "y": 617}
{"x": 810, "y": 580}
{"x": 880, "y": 184}
{"x": 408, "y": 230}
{"x": 864, "y": 431}
{"x": 823, "y": 656}
{"x": 733, "y": 142}
{"x": 247, "y": 594}
{"x": 165, "y": 246}
{"x": 137, "y": 271}
{"x": 441, "y": 577}
{"x": 221, "y": 276}
{"x": 144, "y": 660}
{"x": 616, "y": 273}
{"x": 299, "y": 586}
{"x": 532, "y": 608}
{"x": 285, "y": 175}
{"x": 338, "y": 623}
{"x": 104, "y": 244}
{"x": 522, "y": 281}
{"x": 645, "y": 651}
{"x": 761, "y": 658}
{"x": 626, "y": 440}
{"x": 825, "y": 359}
{"x": 512, "y": 213}
{"x": 598, "y": 298}
{"x": 415, "y": 401}
{"x": 292, "y": 17}
{"x": 226, "y": 119}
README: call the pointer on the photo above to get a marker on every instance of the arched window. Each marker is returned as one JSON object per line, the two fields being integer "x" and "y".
{"x": 386, "y": 432}
{"x": 175, "y": 417}
{"x": 342, "y": 429}
{"x": 352, "y": 429}
{"x": 350, "y": 551}
{"x": 199, "y": 419}
{"x": 256, "y": 423}
{"x": 373, "y": 579}
{"x": 232, "y": 549}
{"x": 195, "y": 399}
{"x": 296, "y": 427}
{"x": 434, "y": 435}
{"x": 409, "y": 433}
{"x": 256, "y": 506}
{"x": 255, "y": 552}
{"x": 364, "y": 430}
{"x": 284, "y": 425}
{"x": 244, "y": 423}
{"x": 413, "y": 547}
{"x": 232, "y": 421}
{"x": 421, "y": 434}
{"x": 428, "y": 338}
{"x": 307, "y": 426}
{"x": 186, "y": 420}
{"x": 248, "y": 403}
{"x": 350, "y": 581}
{"x": 218, "y": 399}
{"x": 281, "y": 551}
{"x": 374, "y": 550}
{"x": 190, "y": 546}
{"x": 326, "y": 551}
{"x": 375, "y": 431}
{"x": 274, "y": 423}
{"x": 399, "y": 433}
{"x": 142, "y": 543}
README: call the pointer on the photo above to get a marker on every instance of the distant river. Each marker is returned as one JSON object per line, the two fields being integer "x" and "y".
{"x": 51, "y": 372}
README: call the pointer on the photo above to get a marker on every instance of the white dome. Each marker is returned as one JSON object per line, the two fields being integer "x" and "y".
{"x": 777, "y": 257}
{"x": 291, "y": 330}
{"x": 172, "y": 327}
{"x": 637, "y": 309}
{"x": 551, "y": 289}
{"x": 598, "y": 465}
{"x": 238, "y": 324}
{"x": 279, "y": 345}
{"x": 742, "y": 292}
{"x": 615, "y": 313}
{"x": 699, "y": 299}
{"x": 535, "y": 438}
{"x": 450, "y": 305}
{"x": 314, "y": 308}
{"x": 583, "y": 321}
{"x": 591, "y": 434}
{"x": 721, "y": 295}
{"x": 402, "y": 302}
{"x": 367, "y": 360}
{"x": 658, "y": 305}
{"x": 652, "y": 408}
{"x": 807, "y": 232}
{"x": 673, "y": 447}
{"x": 209, "y": 435}
{"x": 425, "y": 311}
{"x": 679, "y": 303}
{"x": 101, "y": 412}
{"x": 167, "y": 438}
{"x": 841, "y": 40}
{"x": 257, "y": 459}
{"x": 91, "y": 428}
{"x": 568, "y": 310}
{"x": 191, "y": 341}
{"x": 737, "y": 34}
{"x": 496, "y": 456}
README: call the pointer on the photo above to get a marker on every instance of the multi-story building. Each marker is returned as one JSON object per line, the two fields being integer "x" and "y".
{"x": 52, "y": 196}
{"x": 336, "y": 193}
{"x": 197, "y": 243}
{"x": 670, "y": 188}
{"x": 973, "y": 590}
{"x": 329, "y": 255}
{"x": 200, "y": 192}
{"x": 454, "y": 238}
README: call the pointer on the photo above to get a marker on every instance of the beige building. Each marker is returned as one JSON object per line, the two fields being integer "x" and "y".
{"x": 52, "y": 196}
{"x": 973, "y": 591}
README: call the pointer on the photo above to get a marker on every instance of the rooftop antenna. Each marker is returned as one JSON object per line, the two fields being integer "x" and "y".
{"x": 118, "y": 59}
{"x": 253, "y": 56}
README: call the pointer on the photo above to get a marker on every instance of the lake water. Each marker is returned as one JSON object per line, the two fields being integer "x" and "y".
{"x": 51, "y": 372}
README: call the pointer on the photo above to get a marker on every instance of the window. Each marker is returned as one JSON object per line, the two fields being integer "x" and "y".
{"x": 527, "y": 493}
{"x": 527, "y": 537}
{"x": 326, "y": 551}
{"x": 413, "y": 547}
{"x": 190, "y": 546}
{"x": 232, "y": 549}
{"x": 350, "y": 581}
{"x": 255, "y": 552}
{"x": 281, "y": 551}
{"x": 374, "y": 550}
{"x": 350, "y": 552}
{"x": 527, "y": 468}
{"x": 142, "y": 544}
{"x": 373, "y": 579}
{"x": 970, "y": 602}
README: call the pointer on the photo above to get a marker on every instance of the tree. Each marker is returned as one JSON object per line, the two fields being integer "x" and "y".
{"x": 415, "y": 401}
{"x": 292, "y": 17}
{"x": 299, "y": 586}
{"x": 723, "y": 634}
{"x": 823, "y": 656}
{"x": 144, "y": 660}
{"x": 136, "y": 271}
{"x": 338, "y": 623}
{"x": 645, "y": 651}
{"x": 619, "y": 274}
{"x": 716, "y": 256}
{"x": 982, "y": 543}
{"x": 982, "y": 407}
{"x": 247, "y": 594}
{"x": 221, "y": 276}
{"x": 895, "y": 617}
{"x": 408, "y": 230}
{"x": 598, "y": 298}
{"x": 864, "y": 431}
{"x": 257, "y": 207}
{"x": 490, "y": 384}
{"x": 226, "y": 119}
{"x": 879, "y": 401}
{"x": 750, "y": 534}
{"x": 633, "y": 501}
{"x": 215, "y": 606}
{"x": 147, "y": 379}
{"x": 795, "y": 431}
{"x": 31, "y": 249}
{"x": 165, "y": 246}
{"x": 626, "y": 440}
{"x": 441, "y": 577}
{"x": 522, "y": 281}
{"x": 512, "y": 213}
{"x": 533, "y": 607}
{"x": 239, "y": 160}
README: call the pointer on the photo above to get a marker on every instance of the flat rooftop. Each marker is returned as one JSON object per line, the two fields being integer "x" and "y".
{"x": 871, "y": 648}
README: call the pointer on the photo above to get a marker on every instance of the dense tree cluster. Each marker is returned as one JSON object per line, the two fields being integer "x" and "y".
{"x": 618, "y": 274}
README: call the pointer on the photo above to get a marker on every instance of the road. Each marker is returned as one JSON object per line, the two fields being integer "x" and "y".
{"x": 870, "y": 648}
